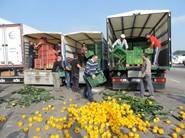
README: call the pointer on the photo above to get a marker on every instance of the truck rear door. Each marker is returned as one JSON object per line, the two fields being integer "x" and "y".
{"x": 11, "y": 48}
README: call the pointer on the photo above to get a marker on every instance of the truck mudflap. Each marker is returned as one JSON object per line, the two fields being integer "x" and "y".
{"x": 5, "y": 80}
{"x": 133, "y": 84}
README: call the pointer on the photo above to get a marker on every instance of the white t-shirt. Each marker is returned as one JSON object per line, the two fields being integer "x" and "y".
{"x": 123, "y": 43}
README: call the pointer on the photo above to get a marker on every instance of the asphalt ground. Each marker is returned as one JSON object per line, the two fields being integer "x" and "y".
{"x": 171, "y": 97}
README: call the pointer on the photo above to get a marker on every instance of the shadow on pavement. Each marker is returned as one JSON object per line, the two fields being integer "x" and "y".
{"x": 177, "y": 98}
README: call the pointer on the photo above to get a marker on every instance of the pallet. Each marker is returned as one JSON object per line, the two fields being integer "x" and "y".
{"x": 133, "y": 65}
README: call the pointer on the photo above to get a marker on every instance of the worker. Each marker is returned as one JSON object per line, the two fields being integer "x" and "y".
{"x": 82, "y": 57}
{"x": 154, "y": 43}
{"x": 90, "y": 69}
{"x": 31, "y": 55}
{"x": 57, "y": 66}
{"x": 121, "y": 42}
{"x": 67, "y": 64}
{"x": 146, "y": 76}
{"x": 41, "y": 41}
{"x": 75, "y": 67}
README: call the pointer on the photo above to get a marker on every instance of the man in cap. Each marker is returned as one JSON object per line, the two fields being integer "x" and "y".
{"x": 122, "y": 42}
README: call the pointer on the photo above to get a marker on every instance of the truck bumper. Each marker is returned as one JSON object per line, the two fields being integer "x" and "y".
{"x": 10, "y": 80}
{"x": 118, "y": 83}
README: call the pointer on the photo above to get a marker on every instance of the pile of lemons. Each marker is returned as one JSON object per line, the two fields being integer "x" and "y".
{"x": 105, "y": 119}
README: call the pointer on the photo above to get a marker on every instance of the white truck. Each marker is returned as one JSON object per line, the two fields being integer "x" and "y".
{"x": 12, "y": 51}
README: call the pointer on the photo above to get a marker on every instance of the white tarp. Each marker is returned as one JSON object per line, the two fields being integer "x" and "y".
{"x": 137, "y": 23}
{"x": 88, "y": 37}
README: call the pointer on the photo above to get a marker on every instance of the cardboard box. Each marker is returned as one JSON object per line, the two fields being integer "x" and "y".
{"x": 7, "y": 74}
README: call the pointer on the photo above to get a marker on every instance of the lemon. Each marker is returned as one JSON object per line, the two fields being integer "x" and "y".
{"x": 13, "y": 104}
{"x": 30, "y": 119}
{"x": 174, "y": 135}
{"x": 150, "y": 102}
{"x": 49, "y": 106}
{"x": 30, "y": 124}
{"x": 36, "y": 112}
{"x": 53, "y": 108}
{"x": 23, "y": 116}
{"x": 181, "y": 107}
{"x": 20, "y": 124}
{"x": 26, "y": 130}
{"x": 177, "y": 129}
{"x": 161, "y": 131}
{"x": 38, "y": 129}
{"x": 131, "y": 134}
{"x": 46, "y": 127}
{"x": 77, "y": 130}
{"x": 167, "y": 121}
{"x": 134, "y": 129}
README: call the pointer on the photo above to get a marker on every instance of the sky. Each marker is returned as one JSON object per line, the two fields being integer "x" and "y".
{"x": 76, "y": 15}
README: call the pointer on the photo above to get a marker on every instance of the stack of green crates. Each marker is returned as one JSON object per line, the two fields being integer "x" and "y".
{"x": 134, "y": 56}
{"x": 89, "y": 54}
{"x": 100, "y": 79}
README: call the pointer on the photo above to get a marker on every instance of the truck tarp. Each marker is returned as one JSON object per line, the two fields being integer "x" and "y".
{"x": 74, "y": 40}
{"x": 88, "y": 37}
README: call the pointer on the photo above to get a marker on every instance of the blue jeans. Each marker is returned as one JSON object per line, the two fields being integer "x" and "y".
{"x": 88, "y": 90}
{"x": 157, "y": 51}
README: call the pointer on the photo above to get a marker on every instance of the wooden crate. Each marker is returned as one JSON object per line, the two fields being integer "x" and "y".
{"x": 7, "y": 73}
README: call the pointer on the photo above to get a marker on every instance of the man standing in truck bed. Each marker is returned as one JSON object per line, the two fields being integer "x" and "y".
{"x": 121, "y": 42}
{"x": 156, "y": 44}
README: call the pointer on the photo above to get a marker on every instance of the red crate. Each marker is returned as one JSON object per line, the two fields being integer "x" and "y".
{"x": 37, "y": 64}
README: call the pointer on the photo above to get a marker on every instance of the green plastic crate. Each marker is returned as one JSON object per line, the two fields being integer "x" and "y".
{"x": 149, "y": 51}
{"x": 137, "y": 55}
{"x": 129, "y": 57}
{"x": 100, "y": 79}
{"x": 119, "y": 52}
{"x": 89, "y": 54}
{"x": 61, "y": 73}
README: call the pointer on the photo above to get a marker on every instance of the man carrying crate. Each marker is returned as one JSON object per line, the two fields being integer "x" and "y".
{"x": 90, "y": 69}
